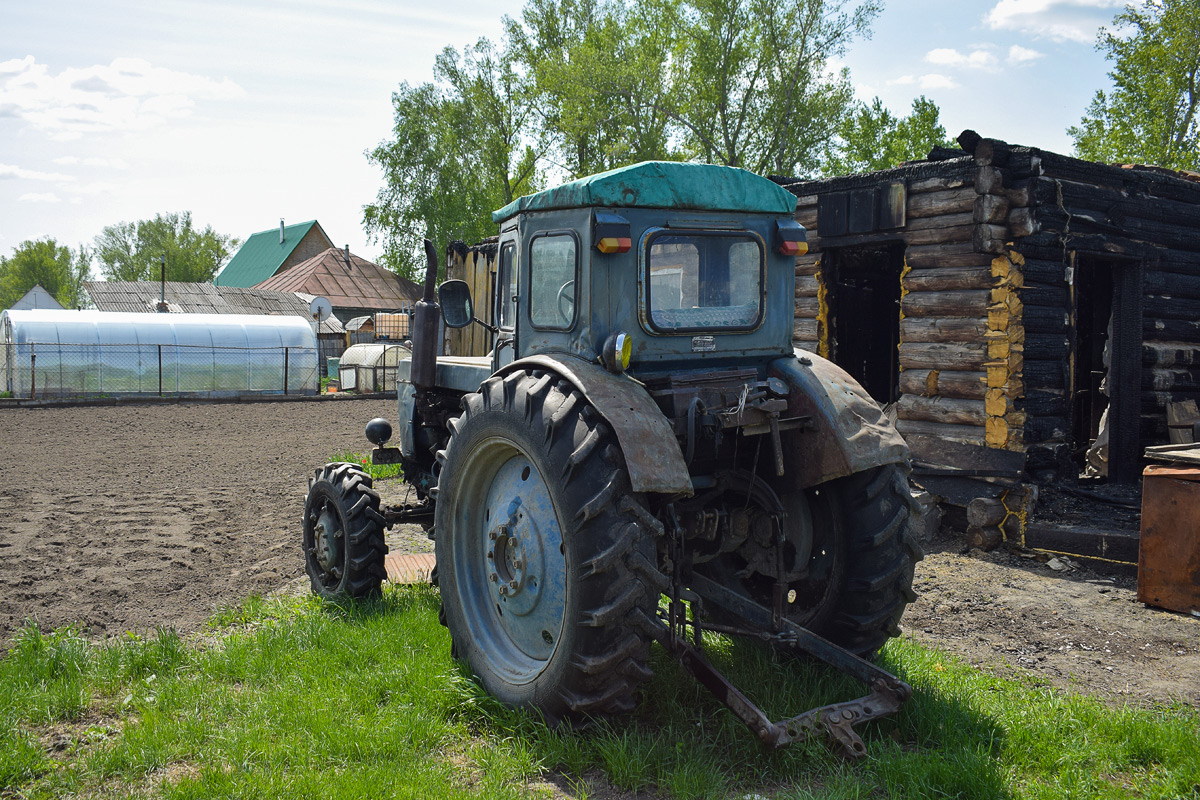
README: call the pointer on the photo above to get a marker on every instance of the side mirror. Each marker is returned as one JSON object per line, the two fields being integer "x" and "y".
{"x": 455, "y": 300}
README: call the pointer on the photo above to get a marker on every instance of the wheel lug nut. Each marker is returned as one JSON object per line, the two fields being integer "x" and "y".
{"x": 492, "y": 535}
{"x": 493, "y": 577}
{"x": 517, "y": 563}
{"x": 512, "y": 584}
{"x": 503, "y": 590}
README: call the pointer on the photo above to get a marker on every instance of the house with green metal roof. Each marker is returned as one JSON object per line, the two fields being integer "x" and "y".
{"x": 270, "y": 252}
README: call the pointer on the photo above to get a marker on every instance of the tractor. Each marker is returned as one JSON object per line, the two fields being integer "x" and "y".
{"x": 642, "y": 457}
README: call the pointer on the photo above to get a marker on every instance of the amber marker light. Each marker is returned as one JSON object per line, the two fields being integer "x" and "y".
{"x": 618, "y": 349}
{"x": 790, "y": 238}
{"x": 614, "y": 244}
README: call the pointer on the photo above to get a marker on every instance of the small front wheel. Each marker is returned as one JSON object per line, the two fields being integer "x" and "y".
{"x": 343, "y": 533}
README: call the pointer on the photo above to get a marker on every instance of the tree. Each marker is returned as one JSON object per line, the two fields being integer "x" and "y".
{"x": 872, "y": 138}
{"x": 131, "y": 251}
{"x": 602, "y": 79}
{"x": 462, "y": 148}
{"x": 753, "y": 82}
{"x": 1150, "y": 115}
{"x": 55, "y": 267}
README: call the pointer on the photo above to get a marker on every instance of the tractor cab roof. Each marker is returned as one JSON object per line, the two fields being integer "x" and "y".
{"x": 662, "y": 184}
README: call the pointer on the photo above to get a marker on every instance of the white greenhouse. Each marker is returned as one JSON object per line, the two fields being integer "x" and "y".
{"x": 49, "y": 353}
{"x": 371, "y": 367}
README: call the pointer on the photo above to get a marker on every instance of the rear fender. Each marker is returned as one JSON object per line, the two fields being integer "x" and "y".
{"x": 652, "y": 455}
{"x": 850, "y": 431}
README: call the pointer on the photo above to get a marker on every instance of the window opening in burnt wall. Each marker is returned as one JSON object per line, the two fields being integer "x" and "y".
{"x": 864, "y": 292}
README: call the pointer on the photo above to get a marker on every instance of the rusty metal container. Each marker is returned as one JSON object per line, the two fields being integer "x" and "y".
{"x": 1169, "y": 551}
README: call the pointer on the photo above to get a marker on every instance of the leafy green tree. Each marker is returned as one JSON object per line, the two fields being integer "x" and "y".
{"x": 1150, "y": 115}
{"x": 132, "y": 251}
{"x": 55, "y": 267}
{"x": 602, "y": 79}
{"x": 752, "y": 80}
{"x": 463, "y": 146}
{"x": 871, "y": 137}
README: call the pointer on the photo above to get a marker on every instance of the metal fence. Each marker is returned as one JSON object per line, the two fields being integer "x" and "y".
{"x": 53, "y": 370}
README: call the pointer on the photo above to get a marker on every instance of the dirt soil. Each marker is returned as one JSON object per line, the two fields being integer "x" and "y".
{"x": 132, "y": 517}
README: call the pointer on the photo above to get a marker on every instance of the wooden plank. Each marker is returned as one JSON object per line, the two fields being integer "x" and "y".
{"x": 964, "y": 434}
{"x": 946, "y": 304}
{"x": 949, "y": 279}
{"x": 938, "y": 203}
{"x": 942, "y": 409}
{"x": 935, "y": 329}
{"x": 960, "y": 254}
{"x": 938, "y": 355}
{"x": 807, "y": 286}
{"x": 1181, "y": 413}
{"x": 944, "y": 383}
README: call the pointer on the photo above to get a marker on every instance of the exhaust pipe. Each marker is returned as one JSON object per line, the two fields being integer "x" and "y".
{"x": 427, "y": 317}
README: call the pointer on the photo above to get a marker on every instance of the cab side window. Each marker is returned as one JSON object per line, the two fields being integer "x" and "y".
{"x": 506, "y": 283}
{"x": 552, "y": 281}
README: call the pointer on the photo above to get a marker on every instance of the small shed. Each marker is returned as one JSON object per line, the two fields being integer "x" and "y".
{"x": 55, "y": 353}
{"x": 366, "y": 368}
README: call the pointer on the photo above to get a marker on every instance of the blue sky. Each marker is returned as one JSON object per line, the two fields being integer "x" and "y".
{"x": 245, "y": 112}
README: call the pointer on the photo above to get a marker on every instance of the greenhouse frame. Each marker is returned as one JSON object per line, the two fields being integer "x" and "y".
{"x": 366, "y": 368}
{"x": 61, "y": 354}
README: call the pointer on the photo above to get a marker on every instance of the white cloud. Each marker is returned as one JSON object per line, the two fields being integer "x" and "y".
{"x": 976, "y": 59}
{"x": 931, "y": 80}
{"x": 11, "y": 171}
{"x": 1059, "y": 20}
{"x": 107, "y": 163}
{"x": 1022, "y": 55}
{"x": 129, "y": 94}
{"x": 40, "y": 197}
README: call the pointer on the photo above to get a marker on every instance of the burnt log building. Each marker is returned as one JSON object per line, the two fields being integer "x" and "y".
{"x": 1004, "y": 300}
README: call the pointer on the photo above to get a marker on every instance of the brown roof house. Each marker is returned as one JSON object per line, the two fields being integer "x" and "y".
{"x": 356, "y": 287}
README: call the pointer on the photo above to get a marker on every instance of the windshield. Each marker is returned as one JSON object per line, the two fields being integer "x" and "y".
{"x": 701, "y": 281}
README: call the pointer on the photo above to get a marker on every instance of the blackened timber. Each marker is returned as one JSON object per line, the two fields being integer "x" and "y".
{"x": 1045, "y": 296}
{"x": 1159, "y": 307}
{"x": 940, "y": 452}
{"x": 912, "y": 173}
{"x": 1170, "y": 354}
{"x": 1172, "y": 284}
{"x": 1170, "y": 330}
{"x": 1044, "y": 403}
{"x": 1044, "y": 319}
{"x": 1167, "y": 380}
{"x": 1049, "y": 346}
{"x": 1040, "y": 374}
{"x": 1046, "y": 429}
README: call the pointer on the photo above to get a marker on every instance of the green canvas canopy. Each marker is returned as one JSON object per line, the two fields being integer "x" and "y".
{"x": 662, "y": 184}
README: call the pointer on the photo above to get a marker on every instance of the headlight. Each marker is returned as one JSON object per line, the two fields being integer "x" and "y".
{"x": 618, "y": 348}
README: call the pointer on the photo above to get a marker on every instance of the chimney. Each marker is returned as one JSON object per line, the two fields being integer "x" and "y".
{"x": 348, "y": 263}
{"x": 281, "y": 230}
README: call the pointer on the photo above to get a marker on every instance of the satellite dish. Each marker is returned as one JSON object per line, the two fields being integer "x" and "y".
{"x": 320, "y": 308}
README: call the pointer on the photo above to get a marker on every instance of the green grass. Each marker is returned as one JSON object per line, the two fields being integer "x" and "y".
{"x": 301, "y": 698}
{"x": 376, "y": 471}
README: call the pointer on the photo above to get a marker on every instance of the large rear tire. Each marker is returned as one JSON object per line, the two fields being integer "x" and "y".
{"x": 849, "y": 554}
{"x": 343, "y": 542}
{"x": 872, "y": 511}
{"x": 546, "y": 576}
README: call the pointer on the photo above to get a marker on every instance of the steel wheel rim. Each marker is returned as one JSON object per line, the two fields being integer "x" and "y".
{"x": 325, "y": 540}
{"x": 509, "y": 561}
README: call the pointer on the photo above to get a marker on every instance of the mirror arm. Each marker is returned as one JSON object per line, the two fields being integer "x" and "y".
{"x": 491, "y": 328}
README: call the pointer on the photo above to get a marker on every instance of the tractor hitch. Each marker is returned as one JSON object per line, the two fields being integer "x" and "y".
{"x": 888, "y": 693}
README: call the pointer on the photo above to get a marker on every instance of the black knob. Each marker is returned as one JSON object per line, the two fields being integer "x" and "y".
{"x": 379, "y": 430}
